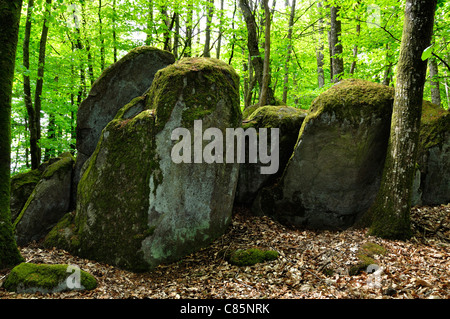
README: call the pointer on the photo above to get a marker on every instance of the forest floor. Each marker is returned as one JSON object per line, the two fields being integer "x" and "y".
{"x": 311, "y": 264}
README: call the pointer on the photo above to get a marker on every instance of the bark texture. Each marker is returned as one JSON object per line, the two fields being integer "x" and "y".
{"x": 9, "y": 30}
{"x": 390, "y": 214}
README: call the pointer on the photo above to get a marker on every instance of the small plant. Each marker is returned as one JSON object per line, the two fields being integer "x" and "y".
{"x": 251, "y": 256}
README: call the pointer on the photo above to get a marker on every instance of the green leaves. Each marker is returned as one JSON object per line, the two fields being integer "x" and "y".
{"x": 427, "y": 52}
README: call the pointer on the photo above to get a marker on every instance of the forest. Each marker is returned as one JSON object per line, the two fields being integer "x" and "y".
{"x": 64, "y": 46}
{"x": 285, "y": 53}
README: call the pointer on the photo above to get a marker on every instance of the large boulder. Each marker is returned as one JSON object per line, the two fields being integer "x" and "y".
{"x": 121, "y": 82}
{"x": 288, "y": 120}
{"x": 22, "y": 185}
{"x": 432, "y": 183}
{"x": 136, "y": 207}
{"x": 49, "y": 201}
{"x": 335, "y": 170}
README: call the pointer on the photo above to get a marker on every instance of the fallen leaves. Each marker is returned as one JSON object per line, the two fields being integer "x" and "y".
{"x": 312, "y": 265}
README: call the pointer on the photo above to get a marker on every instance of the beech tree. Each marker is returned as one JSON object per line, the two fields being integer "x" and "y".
{"x": 9, "y": 30}
{"x": 390, "y": 214}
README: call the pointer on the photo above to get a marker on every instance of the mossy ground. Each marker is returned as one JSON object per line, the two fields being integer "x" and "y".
{"x": 251, "y": 256}
{"x": 44, "y": 277}
{"x": 366, "y": 255}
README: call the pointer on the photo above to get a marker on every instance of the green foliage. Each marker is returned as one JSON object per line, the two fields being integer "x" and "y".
{"x": 78, "y": 43}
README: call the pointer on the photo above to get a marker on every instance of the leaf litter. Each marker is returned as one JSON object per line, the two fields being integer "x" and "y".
{"x": 311, "y": 265}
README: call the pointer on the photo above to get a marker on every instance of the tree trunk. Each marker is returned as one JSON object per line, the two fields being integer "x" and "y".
{"x": 219, "y": 39}
{"x": 207, "y": 47}
{"x": 9, "y": 32}
{"x": 253, "y": 47}
{"x": 435, "y": 90}
{"x": 355, "y": 51}
{"x": 335, "y": 45}
{"x": 27, "y": 90}
{"x": 40, "y": 77}
{"x": 149, "y": 30}
{"x": 387, "y": 78}
{"x": 319, "y": 53}
{"x": 264, "y": 96}
{"x": 102, "y": 40}
{"x": 114, "y": 26}
{"x": 390, "y": 213}
{"x": 189, "y": 29}
{"x": 176, "y": 36}
{"x": 289, "y": 50}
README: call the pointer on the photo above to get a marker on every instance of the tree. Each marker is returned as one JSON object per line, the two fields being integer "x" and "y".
{"x": 434, "y": 81}
{"x": 9, "y": 30}
{"x": 335, "y": 45}
{"x": 319, "y": 53}
{"x": 209, "y": 16}
{"x": 264, "y": 95}
{"x": 253, "y": 48}
{"x": 390, "y": 213}
{"x": 288, "y": 56}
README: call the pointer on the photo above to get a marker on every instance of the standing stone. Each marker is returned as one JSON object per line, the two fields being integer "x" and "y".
{"x": 288, "y": 120}
{"x": 136, "y": 208}
{"x": 121, "y": 82}
{"x": 22, "y": 185}
{"x": 432, "y": 183}
{"x": 334, "y": 173}
{"x": 48, "y": 202}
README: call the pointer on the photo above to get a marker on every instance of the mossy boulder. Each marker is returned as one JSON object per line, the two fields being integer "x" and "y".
{"x": 46, "y": 278}
{"x": 22, "y": 185}
{"x": 334, "y": 173}
{"x": 288, "y": 120}
{"x": 48, "y": 202}
{"x": 136, "y": 208}
{"x": 121, "y": 82}
{"x": 367, "y": 255}
{"x": 251, "y": 256}
{"x": 432, "y": 183}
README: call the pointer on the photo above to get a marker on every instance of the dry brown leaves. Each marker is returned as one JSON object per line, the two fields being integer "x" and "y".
{"x": 311, "y": 265}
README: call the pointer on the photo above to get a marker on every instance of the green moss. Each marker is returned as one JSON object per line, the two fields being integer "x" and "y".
{"x": 177, "y": 80}
{"x": 60, "y": 165}
{"x": 124, "y": 111}
{"x": 435, "y": 124}
{"x": 366, "y": 255}
{"x": 285, "y": 118}
{"x": 21, "y": 179}
{"x": 360, "y": 94}
{"x": 63, "y": 235}
{"x": 43, "y": 277}
{"x": 249, "y": 110}
{"x": 103, "y": 195}
{"x": 372, "y": 249}
{"x": 63, "y": 164}
{"x": 251, "y": 256}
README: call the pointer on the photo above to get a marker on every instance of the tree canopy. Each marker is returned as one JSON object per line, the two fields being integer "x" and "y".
{"x": 65, "y": 45}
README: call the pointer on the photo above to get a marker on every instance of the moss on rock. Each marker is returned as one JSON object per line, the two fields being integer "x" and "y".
{"x": 366, "y": 255}
{"x": 22, "y": 185}
{"x": 187, "y": 78}
{"x": 136, "y": 208}
{"x": 45, "y": 278}
{"x": 251, "y": 256}
{"x": 332, "y": 177}
{"x": 289, "y": 121}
